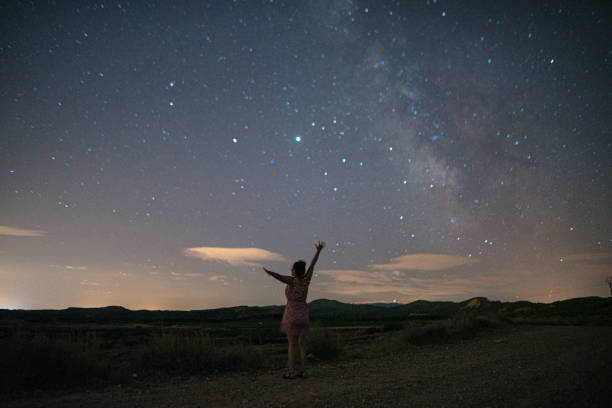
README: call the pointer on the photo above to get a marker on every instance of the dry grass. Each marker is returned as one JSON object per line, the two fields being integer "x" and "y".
{"x": 459, "y": 327}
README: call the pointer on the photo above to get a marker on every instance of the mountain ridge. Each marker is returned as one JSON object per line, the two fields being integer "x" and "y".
{"x": 325, "y": 309}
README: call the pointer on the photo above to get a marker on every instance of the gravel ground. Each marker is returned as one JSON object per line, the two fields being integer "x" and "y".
{"x": 517, "y": 366}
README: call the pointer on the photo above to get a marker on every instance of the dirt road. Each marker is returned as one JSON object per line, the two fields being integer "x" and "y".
{"x": 519, "y": 366}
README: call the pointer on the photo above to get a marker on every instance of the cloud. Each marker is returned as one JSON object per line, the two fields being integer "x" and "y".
{"x": 86, "y": 282}
{"x": 192, "y": 274}
{"x": 359, "y": 276}
{"x": 222, "y": 279}
{"x": 364, "y": 285}
{"x": 397, "y": 278}
{"x": 423, "y": 262}
{"x": 234, "y": 256}
{"x": 20, "y": 232}
{"x": 78, "y": 268}
{"x": 590, "y": 258}
{"x": 69, "y": 267}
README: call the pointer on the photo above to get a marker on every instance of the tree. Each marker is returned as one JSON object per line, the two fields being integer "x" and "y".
{"x": 609, "y": 282}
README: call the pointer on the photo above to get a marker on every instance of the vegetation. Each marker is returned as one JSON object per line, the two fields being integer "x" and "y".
{"x": 324, "y": 344}
{"x": 42, "y": 361}
{"x": 197, "y": 352}
{"x": 459, "y": 327}
{"x": 84, "y": 347}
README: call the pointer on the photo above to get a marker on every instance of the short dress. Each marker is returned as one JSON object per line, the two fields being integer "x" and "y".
{"x": 295, "y": 319}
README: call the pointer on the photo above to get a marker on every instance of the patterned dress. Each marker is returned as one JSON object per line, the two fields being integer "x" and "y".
{"x": 295, "y": 319}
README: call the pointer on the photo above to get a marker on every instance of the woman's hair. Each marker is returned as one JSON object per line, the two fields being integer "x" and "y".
{"x": 300, "y": 268}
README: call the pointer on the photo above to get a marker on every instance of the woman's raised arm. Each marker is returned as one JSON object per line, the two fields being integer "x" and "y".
{"x": 319, "y": 245}
{"x": 283, "y": 278}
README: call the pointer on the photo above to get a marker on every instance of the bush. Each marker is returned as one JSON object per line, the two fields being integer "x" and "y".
{"x": 459, "y": 327}
{"x": 392, "y": 326}
{"x": 430, "y": 333}
{"x": 324, "y": 344}
{"x": 196, "y": 353}
{"x": 40, "y": 361}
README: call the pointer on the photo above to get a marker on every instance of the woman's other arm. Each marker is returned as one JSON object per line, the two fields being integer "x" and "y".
{"x": 283, "y": 278}
{"x": 319, "y": 245}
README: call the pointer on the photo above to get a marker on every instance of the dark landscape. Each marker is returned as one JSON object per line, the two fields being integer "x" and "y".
{"x": 419, "y": 354}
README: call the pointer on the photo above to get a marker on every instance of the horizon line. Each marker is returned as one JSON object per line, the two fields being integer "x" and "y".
{"x": 346, "y": 303}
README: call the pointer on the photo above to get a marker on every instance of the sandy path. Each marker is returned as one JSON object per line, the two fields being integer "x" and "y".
{"x": 543, "y": 366}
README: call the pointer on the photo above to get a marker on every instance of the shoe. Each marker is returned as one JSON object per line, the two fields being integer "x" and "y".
{"x": 289, "y": 376}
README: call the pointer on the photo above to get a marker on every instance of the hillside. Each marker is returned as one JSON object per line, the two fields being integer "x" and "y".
{"x": 594, "y": 309}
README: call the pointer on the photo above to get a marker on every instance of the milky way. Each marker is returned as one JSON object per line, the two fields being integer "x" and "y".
{"x": 156, "y": 155}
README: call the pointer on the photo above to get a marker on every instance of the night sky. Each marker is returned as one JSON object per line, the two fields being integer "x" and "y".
{"x": 157, "y": 154}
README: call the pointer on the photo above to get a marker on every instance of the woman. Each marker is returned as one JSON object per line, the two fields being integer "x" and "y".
{"x": 295, "y": 321}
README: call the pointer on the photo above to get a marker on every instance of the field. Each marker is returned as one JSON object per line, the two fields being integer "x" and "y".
{"x": 55, "y": 354}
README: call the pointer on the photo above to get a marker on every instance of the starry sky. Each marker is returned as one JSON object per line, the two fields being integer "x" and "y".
{"x": 156, "y": 154}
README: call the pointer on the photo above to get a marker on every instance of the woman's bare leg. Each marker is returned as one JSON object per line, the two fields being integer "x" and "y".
{"x": 302, "y": 345}
{"x": 290, "y": 353}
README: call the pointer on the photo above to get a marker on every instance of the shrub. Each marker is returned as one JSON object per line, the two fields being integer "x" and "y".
{"x": 196, "y": 353}
{"x": 42, "y": 362}
{"x": 430, "y": 333}
{"x": 392, "y": 326}
{"x": 323, "y": 344}
{"x": 459, "y": 327}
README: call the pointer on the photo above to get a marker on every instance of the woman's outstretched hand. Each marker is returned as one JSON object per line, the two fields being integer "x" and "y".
{"x": 320, "y": 245}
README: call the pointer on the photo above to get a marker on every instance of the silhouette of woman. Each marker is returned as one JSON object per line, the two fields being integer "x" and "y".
{"x": 295, "y": 321}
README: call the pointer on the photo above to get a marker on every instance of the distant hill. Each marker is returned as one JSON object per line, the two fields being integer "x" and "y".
{"x": 383, "y": 304}
{"x": 593, "y": 309}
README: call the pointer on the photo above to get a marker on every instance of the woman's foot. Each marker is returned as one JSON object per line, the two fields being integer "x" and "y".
{"x": 288, "y": 375}
{"x": 300, "y": 374}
